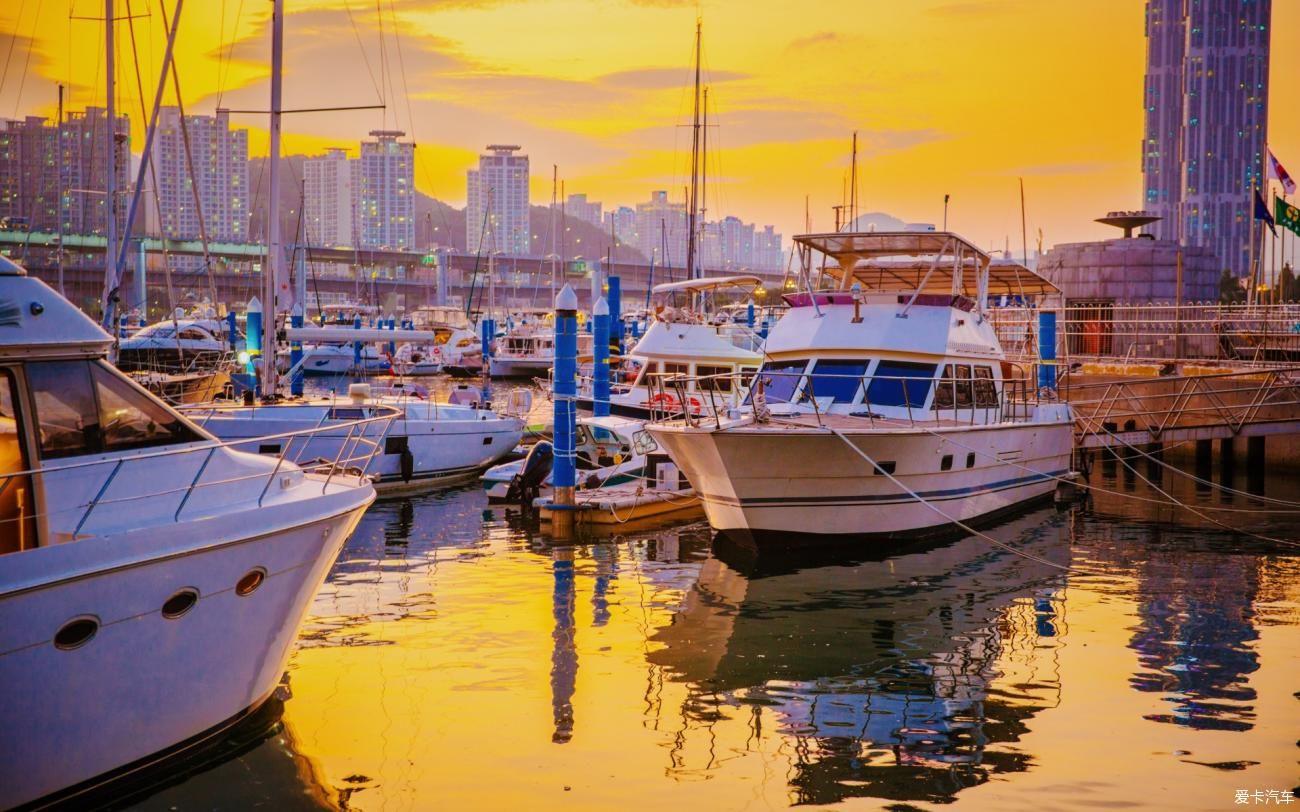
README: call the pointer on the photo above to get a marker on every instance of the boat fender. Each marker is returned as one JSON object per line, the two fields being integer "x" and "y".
{"x": 592, "y": 482}
{"x": 407, "y": 462}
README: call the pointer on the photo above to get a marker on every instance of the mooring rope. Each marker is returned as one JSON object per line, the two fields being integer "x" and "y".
{"x": 945, "y": 516}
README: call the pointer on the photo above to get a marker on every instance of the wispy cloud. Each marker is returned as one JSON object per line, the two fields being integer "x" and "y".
{"x": 664, "y": 78}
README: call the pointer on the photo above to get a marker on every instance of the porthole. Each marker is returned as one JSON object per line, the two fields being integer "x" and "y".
{"x": 180, "y": 603}
{"x": 970, "y": 460}
{"x": 250, "y": 582}
{"x": 945, "y": 464}
{"x": 76, "y": 633}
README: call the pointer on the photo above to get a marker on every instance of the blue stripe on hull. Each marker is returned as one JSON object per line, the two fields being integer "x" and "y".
{"x": 882, "y": 499}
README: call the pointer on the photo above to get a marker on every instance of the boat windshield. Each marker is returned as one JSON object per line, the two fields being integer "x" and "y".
{"x": 900, "y": 383}
{"x": 781, "y": 378}
{"x": 85, "y": 407}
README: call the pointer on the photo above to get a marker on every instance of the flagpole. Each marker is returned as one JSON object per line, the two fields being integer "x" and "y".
{"x": 1251, "y": 295}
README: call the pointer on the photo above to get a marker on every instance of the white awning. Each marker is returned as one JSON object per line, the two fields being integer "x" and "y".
{"x": 709, "y": 283}
{"x": 334, "y": 335}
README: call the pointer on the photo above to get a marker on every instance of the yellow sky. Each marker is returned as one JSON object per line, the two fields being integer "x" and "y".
{"x": 949, "y": 96}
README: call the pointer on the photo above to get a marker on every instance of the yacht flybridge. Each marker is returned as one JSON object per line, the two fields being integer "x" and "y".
{"x": 884, "y": 406}
{"x": 152, "y": 579}
{"x": 715, "y": 358}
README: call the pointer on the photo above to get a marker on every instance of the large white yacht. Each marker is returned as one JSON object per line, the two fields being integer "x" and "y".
{"x": 884, "y": 406}
{"x": 183, "y": 343}
{"x": 152, "y": 580}
{"x": 715, "y": 357}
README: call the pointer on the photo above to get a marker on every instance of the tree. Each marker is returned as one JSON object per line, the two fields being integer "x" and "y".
{"x": 1230, "y": 291}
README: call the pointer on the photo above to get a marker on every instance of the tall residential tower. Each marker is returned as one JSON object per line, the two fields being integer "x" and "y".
{"x": 1206, "y": 120}
{"x": 386, "y": 200}
{"x": 496, "y": 214}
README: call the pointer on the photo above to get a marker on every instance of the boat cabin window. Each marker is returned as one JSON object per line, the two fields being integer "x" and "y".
{"x": 781, "y": 378}
{"x": 89, "y": 408}
{"x": 900, "y": 383}
{"x": 836, "y": 378}
{"x": 17, "y": 514}
{"x": 720, "y": 380}
{"x": 194, "y": 334}
{"x": 676, "y": 369}
{"x": 945, "y": 393}
{"x": 986, "y": 393}
{"x": 965, "y": 392}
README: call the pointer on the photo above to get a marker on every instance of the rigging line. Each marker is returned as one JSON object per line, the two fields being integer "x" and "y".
{"x": 385, "y": 77}
{"x": 14, "y": 41}
{"x": 364, "y": 58}
{"x": 223, "y": 65}
{"x": 401, "y": 63}
{"x": 941, "y": 514}
{"x": 1210, "y": 519}
{"x": 27, "y": 64}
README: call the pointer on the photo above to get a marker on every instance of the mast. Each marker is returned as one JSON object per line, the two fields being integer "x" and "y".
{"x": 110, "y": 181}
{"x": 853, "y": 188}
{"x": 274, "y": 254}
{"x": 693, "y": 200}
{"x": 704, "y": 172}
{"x": 555, "y": 268}
{"x": 58, "y": 134}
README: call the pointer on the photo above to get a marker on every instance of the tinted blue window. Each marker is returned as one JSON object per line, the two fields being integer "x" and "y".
{"x": 838, "y": 378}
{"x": 900, "y": 383}
{"x": 780, "y": 378}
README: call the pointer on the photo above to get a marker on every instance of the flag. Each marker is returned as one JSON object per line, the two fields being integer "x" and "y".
{"x": 1278, "y": 171}
{"x": 1261, "y": 213}
{"x": 1288, "y": 216}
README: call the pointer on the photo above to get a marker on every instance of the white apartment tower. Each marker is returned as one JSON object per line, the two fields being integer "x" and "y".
{"x": 333, "y": 194}
{"x": 496, "y": 212}
{"x": 218, "y": 158}
{"x": 661, "y": 230}
{"x": 386, "y": 198}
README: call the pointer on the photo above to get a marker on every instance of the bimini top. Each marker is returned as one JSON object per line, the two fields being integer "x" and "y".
{"x": 35, "y": 321}
{"x": 924, "y": 262}
{"x": 709, "y": 283}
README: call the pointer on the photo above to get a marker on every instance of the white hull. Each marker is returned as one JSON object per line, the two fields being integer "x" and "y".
{"x": 520, "y": 367}
{"x": 145, "y": 683}
{"x": 445, "y": 442}
{"x": 341, "y": 361}
{"x": 809, "y": 482}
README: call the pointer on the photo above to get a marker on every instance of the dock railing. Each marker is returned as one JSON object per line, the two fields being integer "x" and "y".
{"x": 1204, "y": 332}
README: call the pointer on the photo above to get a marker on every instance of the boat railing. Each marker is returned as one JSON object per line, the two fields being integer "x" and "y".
{"x": 969, "y": 401}
{"x": 359, "y": 442}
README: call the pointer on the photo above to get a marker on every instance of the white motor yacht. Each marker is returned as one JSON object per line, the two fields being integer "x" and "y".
{"x": 714, "y": 360}
{"x": 152, "y": 579}
{"x": 429, "y": 443}
{"x": 609, "y": 451}
{"x": 528, "y": 348}
{"x": 183, "y": 343}
{"x": 884, "y": 407}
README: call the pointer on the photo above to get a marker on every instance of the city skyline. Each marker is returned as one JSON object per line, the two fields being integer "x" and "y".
{"x": 965, "y": 115}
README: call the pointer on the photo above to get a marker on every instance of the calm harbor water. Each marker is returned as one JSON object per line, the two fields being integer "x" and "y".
{"x": 456, "y": 659}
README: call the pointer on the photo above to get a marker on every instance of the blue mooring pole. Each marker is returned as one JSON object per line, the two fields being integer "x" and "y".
{"x": 601, "y": 317}
{"x": 253, "y": 333}
{"x": 564, "y": 395}
{"x": 616, "y": 312}
{"x": 231, "y": 327}
{"x": 391, "y": 325}
{"x": 295, "y": 352}
{"x": 749, "y": 315}
{"x": 356, "y": 345}
{"x": 1047, "y": 349}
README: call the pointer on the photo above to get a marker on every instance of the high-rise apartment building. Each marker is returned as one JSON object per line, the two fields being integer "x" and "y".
{"x": 579, "y": 207}
{"x": 496, "y": 212}
{"x": 661, "y": 230}
{"x": 32, "y": 153}
{"x": 386, "y": 200}
{"x": 1206, "y": 109}
{"x": 332, "y": 192}
{"x": 623, "y": 221}
{"x": 769, "y": 255}
{"x": 216, "y": 166}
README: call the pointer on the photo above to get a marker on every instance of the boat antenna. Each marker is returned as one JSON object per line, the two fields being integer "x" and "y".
{"x": 853, "y": 186}
{"x": 1024, "y": 238}
{"x": 693, "y": 197}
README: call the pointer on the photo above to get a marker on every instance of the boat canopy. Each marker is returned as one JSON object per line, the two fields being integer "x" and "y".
{"x": 921, "y": 262}
{"x": 709, "y": 283}
{"x": 336, "y": 334}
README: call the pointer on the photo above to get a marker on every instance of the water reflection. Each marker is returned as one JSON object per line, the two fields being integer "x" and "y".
{"x": 880, "y": 671}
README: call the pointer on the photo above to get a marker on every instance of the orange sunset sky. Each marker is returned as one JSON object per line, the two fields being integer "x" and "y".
{"x": 948, "y": 96}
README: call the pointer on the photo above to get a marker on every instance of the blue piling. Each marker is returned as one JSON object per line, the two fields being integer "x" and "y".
{"x": 295, "y": 352}
{"x": 749, "y": 315}
{"x": 391, "y": 324}
{"x": 356, "y": 345}
{"x": 121, "y": 326}
{"x": 1047, "y": 349}
{"x": 616, "y": 311}
{"x": 231, "y": 327}
{"x": 601, "y": 318}
{"x": 253, "y": 331}
{"x": 564, "y": 395}
{"x": 762, "y": 331}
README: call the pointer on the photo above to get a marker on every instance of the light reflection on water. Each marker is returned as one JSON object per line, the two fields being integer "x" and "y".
{"x": 455, "y": 659}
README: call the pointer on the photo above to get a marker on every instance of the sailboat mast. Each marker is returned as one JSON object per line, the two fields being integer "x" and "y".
{"x": 853, "y": 191}
{"x": 704, "y": 182}
{"x": 272, "y": 273}
{"x": 693, "y": 201}
{"x": 110, "y": 180}
{"x": 555, "y": 268}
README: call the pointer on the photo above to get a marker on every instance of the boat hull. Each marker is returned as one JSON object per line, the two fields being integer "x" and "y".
{"x": 772, "y": 485}
{"x": 520, "y": 367}
{"x": 145, "y": 683}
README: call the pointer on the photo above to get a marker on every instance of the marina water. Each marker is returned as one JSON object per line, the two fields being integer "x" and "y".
{"x": 457, "y": 659}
